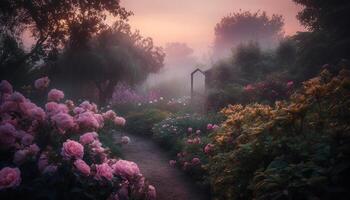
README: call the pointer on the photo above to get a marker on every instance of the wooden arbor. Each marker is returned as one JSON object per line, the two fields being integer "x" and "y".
{"x": 192, "y": 75}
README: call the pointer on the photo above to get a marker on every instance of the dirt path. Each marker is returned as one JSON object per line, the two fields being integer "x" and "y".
{"x": 171, "y": 183}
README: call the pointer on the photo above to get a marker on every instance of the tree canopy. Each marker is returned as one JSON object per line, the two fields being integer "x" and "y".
{"x": 243, "y": 27}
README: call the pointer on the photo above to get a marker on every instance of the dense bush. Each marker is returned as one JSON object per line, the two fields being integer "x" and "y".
{"x": 297, "y": 149}
{"x": 55, "y": 153}
{"x": 141, "y": 122}
{"x": 172, "y": 131}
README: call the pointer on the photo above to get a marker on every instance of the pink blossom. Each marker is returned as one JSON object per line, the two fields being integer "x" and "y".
{"x": 196, "y": 161}
{"x": 9, "y": 106}
{"x": 104, "y": 171}
{"x": 37, "y": 114}
{"x": 208, "y": 148}
{"x": 126, "y": 169}
{"x": 196, "y": 140}
{"x": 43, "y": 161}
{"x": 42, "y": 83}
{"x": 50, "y": 169}
{"x": 5, "y": 87}
{"x": 55, "y": 95}
{"x": 125, "y": 140}
{"x": 17, "y": 97}
{"x": 9, "y": 177}
{"x": 99, "y": 119}
{"x": 53, "y": 108}
{"x": 63, "y": 121}
{"x": 20, "y": 156}
{"x": 198, "y": 132}
{"x": 209, "y": 126}
{"x": 87, "y": 120}
{"x": 33, "y": 149}
{"x": 27, "y": 139}
{"x": 151, "y": 194}
{"x": 215, "y": 127}
{"x": 189, "y": 130}
{"x": 172, "y": 163}
{"x": 7, "y": 135}
{"x": 82, "y": 167}
{"x": 186, "y": 165}
{"x": 78, "y": 110}
{"x": 86, "y": 105}
{"x": 120, "y": 121}
{"x": 249, "y": 88}
{"x": 88, "y": 138}
{"x": 72, "y": 149}
{"x": 290, "y": 84}
{"x": 109, "y": 115}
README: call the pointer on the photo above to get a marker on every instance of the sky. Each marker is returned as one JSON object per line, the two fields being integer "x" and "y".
{"x": 193, "y": 21}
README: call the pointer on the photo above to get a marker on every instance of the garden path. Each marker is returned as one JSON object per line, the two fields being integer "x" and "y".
{"x": 170, "y": 182}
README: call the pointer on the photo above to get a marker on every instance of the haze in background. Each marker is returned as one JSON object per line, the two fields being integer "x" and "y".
{"x": 193, "y": 21}
{"x": 186, "y": 31}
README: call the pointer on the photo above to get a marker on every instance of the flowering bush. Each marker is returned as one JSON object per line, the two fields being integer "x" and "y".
{"x": 297, "y": 149}
{"x": 55, "y": 153}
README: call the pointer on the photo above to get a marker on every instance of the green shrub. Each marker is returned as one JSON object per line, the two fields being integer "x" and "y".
{"x": 297, "y": 149}
{"x": 141, "y": 122}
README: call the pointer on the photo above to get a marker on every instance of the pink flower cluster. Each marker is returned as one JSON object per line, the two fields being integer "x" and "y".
{"x": 22, "y": 123}
{"x": 42, "y": 83}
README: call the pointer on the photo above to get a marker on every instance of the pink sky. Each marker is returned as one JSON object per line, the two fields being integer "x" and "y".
{"x": 193, "y": 21}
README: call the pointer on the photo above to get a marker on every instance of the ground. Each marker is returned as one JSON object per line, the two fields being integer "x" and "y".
{"x": 170, "y": 182}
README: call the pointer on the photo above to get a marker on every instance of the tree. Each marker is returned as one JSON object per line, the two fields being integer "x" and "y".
{"x": 54, "y": 22}
{"x": 114, "y": 55}
{"x": 244, "y": 27}
{"x": 328, "y": 39}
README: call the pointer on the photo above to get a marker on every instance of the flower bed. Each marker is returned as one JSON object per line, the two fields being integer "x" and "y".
{"x": 55, "y": 152}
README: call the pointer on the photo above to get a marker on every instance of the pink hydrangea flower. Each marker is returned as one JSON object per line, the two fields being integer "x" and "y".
{"x": 20, "y": 156}
{"x": 208, "y": 148}
{"x": 33, "y": 149}
{"x": 55, "y": 95}
{"x": 50, "y": 169}
{"x": 172, "y": 163}
{"x": 104, "y": 171}
{"x": 37, "y": 114}
{"x": 189, "y": 130}
{"x": 9, "y": 178}
{"x": 87, "y": 120}
{"x": 151, "y": 193}
{"x": 88, "y": 138}
{"x": 63, "y": 121}
{"x": 43, "y": 161}
{"x": 120, "y": 121}
{"x": 109, "y": 115}
{"x": 249, "y": 88}
{"x": 5, "y": 87}
{"x": 196, "y": 161}
{"x": 7, "y": 135}
{"x": 72, "y": 149}
{"x": 27, "y": 139}
{"x": 209, "y": 126}
{"x": 86, "y": 105}
{"x": 78, "y": 110}
{"x": 17, "y": 97}
{"x": 42, "y": 83}
{"x": 53, "y": 108}
{"x": 126, "y": 168}
{"x": 82, "y": 167}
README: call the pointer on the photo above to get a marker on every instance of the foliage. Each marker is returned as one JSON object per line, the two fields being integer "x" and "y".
{"x": 173, "y": 131}
{"x": 113, "y": 56}
{"x": 53, "y": 23}
{"x": 328, "y": 38}
{"x": 297, "y": 149}
{"x": 141, "y": 122}
{"x": 244, "y": 27}
{"x": 55, "y": 153}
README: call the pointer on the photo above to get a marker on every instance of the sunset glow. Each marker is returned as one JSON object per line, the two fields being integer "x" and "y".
{"x": 193, "y": 21}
